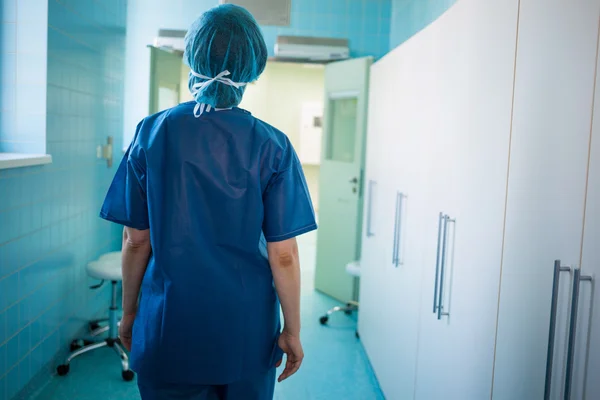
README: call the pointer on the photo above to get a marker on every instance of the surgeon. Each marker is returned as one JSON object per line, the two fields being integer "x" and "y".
{"x": 212, "y": 199}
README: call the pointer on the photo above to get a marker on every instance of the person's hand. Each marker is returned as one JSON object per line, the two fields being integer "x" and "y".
{"x": 292, "y": 347}
{"x": 125, "y": 330}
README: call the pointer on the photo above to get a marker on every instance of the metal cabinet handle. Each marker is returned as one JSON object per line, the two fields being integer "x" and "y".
{"x": 395, "y": 244}
{"x": 398, "y": 229}
{"x": 437, "y": 263}
{"x": 369, "y": 208}
{"x": 440, "y": 307}
{"x": 552, "y": 334}
{"x": 577, "y": 278}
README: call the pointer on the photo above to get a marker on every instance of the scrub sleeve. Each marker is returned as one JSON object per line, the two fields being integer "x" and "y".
{"x": 126, "y": 202}
{"x": 287, "y": 205}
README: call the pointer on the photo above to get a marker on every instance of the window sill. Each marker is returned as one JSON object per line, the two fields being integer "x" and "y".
{"x": 19, "y": 160}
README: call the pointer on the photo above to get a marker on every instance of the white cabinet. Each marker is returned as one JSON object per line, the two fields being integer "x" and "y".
{"x": 554, "y": 84}
{"x": 374, "y": 306}
{"x": 406, "y": 197}
{"x": 586, "y": 384}
{"x": 474, "y": 91}
{"x": 485, "y": 117}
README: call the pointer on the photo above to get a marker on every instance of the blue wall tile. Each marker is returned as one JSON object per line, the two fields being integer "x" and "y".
{"x": 2, "y": 329}
{"x": 8, "y": 37}
{"x": 9, "y": 287}
{"x": 410, "y": 16}
{"x": 24, "y": 371}
{"x": 12, "y": 383}
{"x": 37, "y": 360}
{"x": 50, "y": 225}
{"x": 2, "y": 360}
{"x": 24, "y": 338}
{"x": 12, "y": 352}
{"x": 8, "y": 13}
{"x": 12, "y": 321}
{"x": 8, "y": 66}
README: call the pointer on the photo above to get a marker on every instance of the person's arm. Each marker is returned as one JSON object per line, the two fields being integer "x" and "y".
{"x": 288, "y": 213}
{"x": 135, "y": 255}
{"x": 285, "y": 265}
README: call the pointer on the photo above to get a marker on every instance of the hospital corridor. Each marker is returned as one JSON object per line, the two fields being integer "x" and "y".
{"x": 299, "y": 200}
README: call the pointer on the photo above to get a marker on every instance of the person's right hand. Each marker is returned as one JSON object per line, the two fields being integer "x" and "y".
{"x": 292, "y": 348}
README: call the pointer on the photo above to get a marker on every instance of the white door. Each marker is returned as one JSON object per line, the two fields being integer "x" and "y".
{"x": 546, "y": 189}
{"x": 585, "y": 382}
{"x": 407, "y": 188}
{"x": 474, "y": 82}
{"x": 375, "y": 307}
{"x": 341, "y": 185}
{"x": 403, "y": 196}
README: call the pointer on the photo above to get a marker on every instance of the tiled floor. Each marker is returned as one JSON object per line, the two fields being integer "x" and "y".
{"x": 335, "y": 368}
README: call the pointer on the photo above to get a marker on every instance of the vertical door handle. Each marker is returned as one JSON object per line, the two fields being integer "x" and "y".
{"x": 577, "y": 278}
{"x": 437, "y": 263}
{"x": 552, "y": 334}
{"x": 395, "y": 244}
{"x": 440, "y": 307}
{"x": 370, "y": 208}
{"x": 398, "y": 229}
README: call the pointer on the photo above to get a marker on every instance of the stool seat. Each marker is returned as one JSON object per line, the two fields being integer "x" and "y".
{"x": 112, "y": 256}
{"x": 353, "y": 269}
{"x": 107, "y": 269}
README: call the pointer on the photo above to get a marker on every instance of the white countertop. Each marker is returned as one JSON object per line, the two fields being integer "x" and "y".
{"x": 18, "y": 160}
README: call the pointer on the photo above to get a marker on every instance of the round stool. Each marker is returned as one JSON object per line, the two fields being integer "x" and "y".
{"x": 106, "y": 268}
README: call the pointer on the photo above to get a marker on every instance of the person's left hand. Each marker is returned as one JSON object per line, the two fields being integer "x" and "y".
{"x": 125, "y": 330}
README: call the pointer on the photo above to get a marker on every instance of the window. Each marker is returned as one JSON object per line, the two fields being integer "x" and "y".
{"x": 23, "y": 82}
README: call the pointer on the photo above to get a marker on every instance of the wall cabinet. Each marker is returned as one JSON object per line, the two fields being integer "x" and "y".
{"x": 554, "y": 87}
{"x": 479, "y": 144}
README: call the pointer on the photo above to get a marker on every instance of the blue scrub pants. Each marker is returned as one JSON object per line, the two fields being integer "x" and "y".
{"x": 260, "y": 388}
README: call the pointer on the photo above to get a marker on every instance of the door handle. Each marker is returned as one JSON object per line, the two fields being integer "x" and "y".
{"x": 398, "y": 228}
{"x": 437, "y": 263}
{"x": 440, "y": 308}
{"x": 370, "y": 208}
{"x": 354, "y": 181}
{"x": 577, "y": 279}
{"x": 395, "y": 242}
{"x": 552, "y": 334}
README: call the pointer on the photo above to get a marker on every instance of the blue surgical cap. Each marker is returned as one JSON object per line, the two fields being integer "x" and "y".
{"x": 224, "y": 38}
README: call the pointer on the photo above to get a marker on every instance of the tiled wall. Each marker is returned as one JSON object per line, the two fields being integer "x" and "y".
{"x": 366, "y": 23}
{"x": 410, "y": 16}
{"x": 23, "y": 50}
{"x": 49, "y": 225}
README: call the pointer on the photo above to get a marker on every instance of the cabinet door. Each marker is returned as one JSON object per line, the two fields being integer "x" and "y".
{"x": 474, "y": 81}
{"x": 587, "y": 355}
{"x": 554, "y": 85}
{"x": 407, "y": 188}
{"x": 374, "y": 316}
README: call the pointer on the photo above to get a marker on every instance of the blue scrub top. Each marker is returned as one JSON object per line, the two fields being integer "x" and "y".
{"x": 212, "y": 190}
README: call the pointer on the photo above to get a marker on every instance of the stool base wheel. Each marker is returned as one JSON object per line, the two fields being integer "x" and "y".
{"x": 128, "y": 375}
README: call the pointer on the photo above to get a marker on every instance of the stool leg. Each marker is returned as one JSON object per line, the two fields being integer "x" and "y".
{"x": 99, "y": 331}
{"x": 124, "y": 358}
{"x": 113, "y": 323}
{"x": 84, "y": 350}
